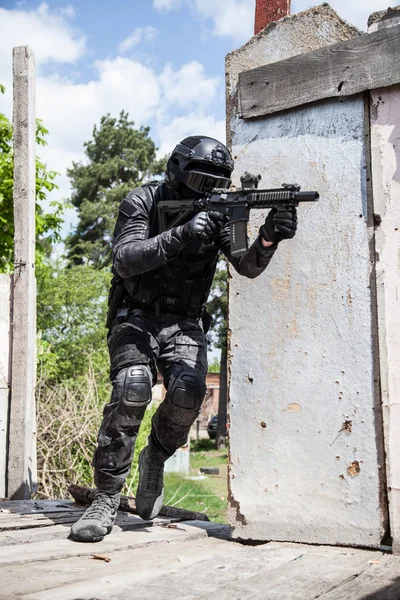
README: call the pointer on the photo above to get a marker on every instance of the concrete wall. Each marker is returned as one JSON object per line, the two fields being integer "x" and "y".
{"x": 385, "y": 144}
{"x": 305, "y": 428}
{"x": 4, "y": 375}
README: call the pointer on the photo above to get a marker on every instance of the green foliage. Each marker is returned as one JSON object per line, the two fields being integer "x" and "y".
{"x": 69, "y": 414}
{"x": 120, "y": 158}
{"x": 209, "y": 495}
{"x": 214, "y": 365}
{"x": 48, "y": 224}
{"x": 71, "y": 315}
{"x": 194, "y": 495}
{"x": 199, "y": 447}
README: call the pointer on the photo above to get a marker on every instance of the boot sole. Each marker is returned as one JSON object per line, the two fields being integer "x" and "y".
{"x": 87, "y": 537}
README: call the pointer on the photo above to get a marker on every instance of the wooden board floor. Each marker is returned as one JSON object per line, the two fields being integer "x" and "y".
{"x": 167, "y": 560}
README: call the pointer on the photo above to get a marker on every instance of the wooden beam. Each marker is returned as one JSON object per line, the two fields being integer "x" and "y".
{"x": 21, "y": 471}
{"x": 363, "y": 63}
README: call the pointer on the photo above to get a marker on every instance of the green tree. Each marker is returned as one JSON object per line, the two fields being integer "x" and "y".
{"x": 120, "y": 158}
{"x": 71, "y": 315}
{"x": 48, "y": 224}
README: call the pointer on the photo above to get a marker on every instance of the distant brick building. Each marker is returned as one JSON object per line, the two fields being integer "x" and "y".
{"x": 209, "y": 407}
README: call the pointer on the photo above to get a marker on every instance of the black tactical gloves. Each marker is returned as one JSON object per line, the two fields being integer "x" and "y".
{"x": 279, "y": 225}
{"x": 203, "y": 227}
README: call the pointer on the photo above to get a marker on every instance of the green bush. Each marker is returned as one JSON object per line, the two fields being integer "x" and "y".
{"x": 69, "y": 414}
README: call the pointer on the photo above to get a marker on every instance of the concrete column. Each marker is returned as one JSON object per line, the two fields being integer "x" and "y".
{"x": 268, "y": 11}
{"x": 4, "y": 376}
{"x": 22, "y": 447}
{"x": 385, "y": 169}
{"x": 306, "y": 443}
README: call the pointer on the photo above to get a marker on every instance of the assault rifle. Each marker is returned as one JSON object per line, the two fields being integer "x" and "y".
{"x": 235, "y": 206}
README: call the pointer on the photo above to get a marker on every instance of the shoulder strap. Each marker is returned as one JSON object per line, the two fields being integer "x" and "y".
{"x": 149, "y": 190}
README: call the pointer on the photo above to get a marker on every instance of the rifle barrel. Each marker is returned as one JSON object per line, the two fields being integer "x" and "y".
{"x": 266, "y": 198}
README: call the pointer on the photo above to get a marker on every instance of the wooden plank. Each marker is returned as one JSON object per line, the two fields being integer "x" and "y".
{"x": 23, "y": 507}
{"x": 76, "y": 571}
{"x": 186, "y": 576}
{"x": 56, "y": 549}
{"x": 215, "y": 530}
{"x": 15, "y": 522}
{"x": 380, "y": 581}
{"x": 268, "y": 572}
{"x": 34, "y": 535}
{"x": 39, "y": 532}
{"x": 364, "y": 63}
{"x": 12, "y": 522}
{"x": 21, "y": 471}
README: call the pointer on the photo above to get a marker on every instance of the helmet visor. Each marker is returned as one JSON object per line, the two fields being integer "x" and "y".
{"x": 205, "y": 182}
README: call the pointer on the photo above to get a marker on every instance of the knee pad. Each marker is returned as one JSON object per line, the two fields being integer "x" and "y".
{"x": 187, "y": 390}
{"x": 134, "y": 386}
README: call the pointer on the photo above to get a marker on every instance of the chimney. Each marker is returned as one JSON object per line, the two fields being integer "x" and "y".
{"x": 268, "y": 11}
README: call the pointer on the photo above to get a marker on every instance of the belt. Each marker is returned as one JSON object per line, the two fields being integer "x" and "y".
{"x": 167, "y": 304}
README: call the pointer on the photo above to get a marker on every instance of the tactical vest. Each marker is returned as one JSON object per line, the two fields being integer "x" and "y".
{"x": 180, "y": 286}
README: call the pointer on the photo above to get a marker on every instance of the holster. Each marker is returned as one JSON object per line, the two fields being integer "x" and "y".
{"x": 116, "y": 297}
{"x": 207, "y": 321}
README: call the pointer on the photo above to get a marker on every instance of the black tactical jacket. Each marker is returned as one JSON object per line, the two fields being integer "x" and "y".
{"x": 159, "y": 270}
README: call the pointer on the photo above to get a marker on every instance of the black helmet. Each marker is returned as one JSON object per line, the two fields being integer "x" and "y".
{"x": 198, "y": 164}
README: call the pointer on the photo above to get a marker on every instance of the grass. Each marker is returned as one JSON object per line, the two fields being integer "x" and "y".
{"x": 206, "y": 495}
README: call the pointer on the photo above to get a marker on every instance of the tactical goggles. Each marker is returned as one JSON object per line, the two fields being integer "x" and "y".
{"x": 204, "y": 182}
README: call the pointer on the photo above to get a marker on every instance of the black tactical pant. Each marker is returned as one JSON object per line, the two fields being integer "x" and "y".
{"x": 138, "y": 344}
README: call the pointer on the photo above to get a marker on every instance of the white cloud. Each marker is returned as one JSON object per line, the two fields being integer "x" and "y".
{"x": 49, "y": 34}
{"x": 70, "y": 110}
{"x": 167, "y": 4}
{"x": 140, "y": 34}
{"x": 231, "y": 18}
{"x": 358, "y": 11}
{"x": 191, "y": 124}
{"x": 235, "y": 18}
{"x": 189, "y": 86}
{"x": 68, "y": 11}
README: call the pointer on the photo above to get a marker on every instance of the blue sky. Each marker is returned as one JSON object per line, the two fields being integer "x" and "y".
{"x": 161, "y": 60}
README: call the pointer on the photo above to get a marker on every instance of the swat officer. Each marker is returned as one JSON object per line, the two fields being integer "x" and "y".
{"x": 165, "y": 279}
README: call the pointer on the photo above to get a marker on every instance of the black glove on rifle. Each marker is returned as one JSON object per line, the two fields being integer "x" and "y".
{"x": 280, "y": 224}
{"x": 203, "y": 227}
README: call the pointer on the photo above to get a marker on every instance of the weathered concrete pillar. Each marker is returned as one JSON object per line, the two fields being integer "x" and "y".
{"x": 306, "y": 441}
{"x": 385, "y": 170}
{"x": 22, "y": 447}
{"x": 4, "y": 376}
{"x": 268, "y": 11}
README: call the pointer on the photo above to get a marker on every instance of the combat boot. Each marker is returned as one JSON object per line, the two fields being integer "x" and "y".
{"x": 150, "y": 492}
{"x": 99, "y": 518}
